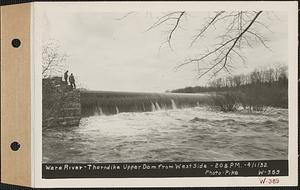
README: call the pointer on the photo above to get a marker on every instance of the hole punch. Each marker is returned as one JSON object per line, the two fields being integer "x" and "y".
{"x": 15, "y": 146}
{"x": 16, "y": 43}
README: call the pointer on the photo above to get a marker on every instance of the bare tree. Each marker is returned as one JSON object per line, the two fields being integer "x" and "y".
{"x": 239, "y": 30}
{"x": 173, "y": 18}
{"x": 53, "y": 59}
{"x": 256, "y": 76}
{"x": 269, "y": 75}
{"x": 237, "y": 80}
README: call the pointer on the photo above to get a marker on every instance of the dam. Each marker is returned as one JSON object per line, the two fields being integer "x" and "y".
{"x": 113, "y": 127}
{"x": 64, "y": 106}
{"x": 110, "y": 102}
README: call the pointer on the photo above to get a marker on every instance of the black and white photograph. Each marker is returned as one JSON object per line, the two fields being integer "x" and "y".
{"x": 164, "y": 86}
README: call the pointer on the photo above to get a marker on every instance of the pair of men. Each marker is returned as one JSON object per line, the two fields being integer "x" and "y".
{"x": 71, "y": 79}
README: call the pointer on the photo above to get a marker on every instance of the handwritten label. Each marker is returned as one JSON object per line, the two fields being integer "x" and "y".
{"x": 269, "y": 181}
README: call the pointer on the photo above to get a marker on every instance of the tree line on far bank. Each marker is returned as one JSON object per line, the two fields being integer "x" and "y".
{"x": 254, "y": 91}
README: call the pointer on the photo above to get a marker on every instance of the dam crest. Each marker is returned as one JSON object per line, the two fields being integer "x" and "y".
{"x": 64, "y": 106}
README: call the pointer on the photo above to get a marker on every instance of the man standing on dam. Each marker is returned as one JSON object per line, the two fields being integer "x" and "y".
{"x": 66, "y": 77}
{"x": 72, "y": 81}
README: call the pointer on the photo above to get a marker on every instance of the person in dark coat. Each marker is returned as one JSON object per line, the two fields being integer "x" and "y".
{"x": 72, "y": 81}
{"x": 66, "y": 77}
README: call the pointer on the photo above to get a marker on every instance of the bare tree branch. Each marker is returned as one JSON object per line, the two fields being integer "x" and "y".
{"x": 238, "y": 32}
{"x": 206, "y": 55}
{"x": 162, "y": 20}
{"x": 206, "y": 27}
{"x": 174, "y": 28}
{"x": 125, "y": 16}
{"x": 229, "y": 45}
{"x": 53, "y": 60}
{"x": 173, "y": 16}
{"x": 260, "y": 38}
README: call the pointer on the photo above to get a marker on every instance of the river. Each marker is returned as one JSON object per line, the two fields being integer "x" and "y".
{"x": 189, "y": 134}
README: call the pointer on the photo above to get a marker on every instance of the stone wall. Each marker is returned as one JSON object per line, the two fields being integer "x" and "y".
{"x": 61, "y": 104}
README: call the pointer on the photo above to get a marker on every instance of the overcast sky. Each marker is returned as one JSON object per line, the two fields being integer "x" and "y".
{"x": 109, "y": 52}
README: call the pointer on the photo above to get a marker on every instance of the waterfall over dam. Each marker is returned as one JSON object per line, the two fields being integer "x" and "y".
{"x": 65, "y": 106}
{"x": 110, "y": 102}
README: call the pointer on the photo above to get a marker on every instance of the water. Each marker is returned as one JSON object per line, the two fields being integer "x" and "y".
{"x": 117, "y": 110}
{"x": 174, "y": 106}
{"x": 153, "y": 108}
{"x": 110, "y": 103}
{"x": 98, "y": 111}
{"x": 190, "y": 134}
{"x": 158, "y": 108}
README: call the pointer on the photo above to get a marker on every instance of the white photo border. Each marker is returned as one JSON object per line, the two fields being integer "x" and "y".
{"x": 39, "y": 7}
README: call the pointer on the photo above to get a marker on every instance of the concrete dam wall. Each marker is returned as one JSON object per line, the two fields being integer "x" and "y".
{"x": 108, "y": 102}
{"x": 64, "y": 106}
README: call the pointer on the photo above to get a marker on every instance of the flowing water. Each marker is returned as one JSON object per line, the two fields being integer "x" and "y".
{"x": 109, "y": 103}
{"x": 189, "y": 134}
